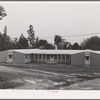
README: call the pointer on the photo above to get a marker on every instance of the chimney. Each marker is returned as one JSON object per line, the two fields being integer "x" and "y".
{"x": 55, "y": 47}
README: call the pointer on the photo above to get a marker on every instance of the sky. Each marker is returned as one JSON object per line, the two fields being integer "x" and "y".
{"x": 52, "y": 18}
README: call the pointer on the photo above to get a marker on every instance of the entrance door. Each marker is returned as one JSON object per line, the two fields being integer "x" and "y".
{"x": 87, "y": 60}
{"x": 9, "y": 59}
{"x": 51, "y": 58}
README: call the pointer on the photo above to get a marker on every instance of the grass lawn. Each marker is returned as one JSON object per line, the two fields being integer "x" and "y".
{"x": 5, "y": 80}
{"x": 58, "y": 68}
{"x": 65, "y": 75}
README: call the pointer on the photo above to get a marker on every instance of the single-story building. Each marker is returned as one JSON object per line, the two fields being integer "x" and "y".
{"x": 86, "y": 57}
{"x": 73, "y": 57}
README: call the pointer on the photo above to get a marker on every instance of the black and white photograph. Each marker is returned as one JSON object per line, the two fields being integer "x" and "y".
{"x": 49, "y": 45}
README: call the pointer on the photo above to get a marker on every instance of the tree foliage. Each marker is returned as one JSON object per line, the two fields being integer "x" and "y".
{"x": 31, "y": 36}
{"x": 22, "y": 43}
{"x": 5, "y": 41}
{"x": 7, "y": 44}
{"x": 57, "y": 39}
{"x": 76, "y": 46}
{"x": 2, "y": 12}
{"x": 43, "y": 44}
{"x": 92, "y": 43}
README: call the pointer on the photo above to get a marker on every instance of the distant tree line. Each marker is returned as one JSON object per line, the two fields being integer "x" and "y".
{"x": 7, "y": 43}
{"x": 92, "y": 43}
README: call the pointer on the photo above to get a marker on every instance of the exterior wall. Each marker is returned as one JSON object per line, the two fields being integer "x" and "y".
{"x": 78, "y": 59}
{"x": 18, "y": 58}
{"x": 94, "y": 59}
{"x": 68, "y": 61}
{"x": 52, "y": 59}
{"x": 37, "y": 59}
{"x": 9, "y": 53}
{"x": 3, "y": 56}
{"x": 28, "y": 58}
{"x": 87, "y": 58}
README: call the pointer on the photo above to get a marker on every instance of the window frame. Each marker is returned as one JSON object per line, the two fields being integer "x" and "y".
{"x": 67, "y": 56}
{"x": 63, "y": 57}
{"x": 10, "y": 56}
{"x": 40, "y": 56}
{"x": 87, "y": 58}
{"x": 44, "y": 56}
{"x": 55, "y": 56}
{"x": 59, "y": 56}
{"x": 36, "y": 56}
{"x": 48, "y": 56}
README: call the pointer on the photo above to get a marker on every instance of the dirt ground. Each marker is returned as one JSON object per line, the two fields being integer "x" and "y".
{"x": 33, "y": 78}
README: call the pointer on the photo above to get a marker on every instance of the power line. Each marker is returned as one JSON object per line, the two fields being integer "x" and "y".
{"x": 75, "y": 35}
{"x": 81, "y": 35}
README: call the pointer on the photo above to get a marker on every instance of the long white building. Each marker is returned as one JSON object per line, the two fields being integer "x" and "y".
{"x": 73, "y": 57}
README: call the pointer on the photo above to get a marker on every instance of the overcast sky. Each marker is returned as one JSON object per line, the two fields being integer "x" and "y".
{"x": 52, "y": 18}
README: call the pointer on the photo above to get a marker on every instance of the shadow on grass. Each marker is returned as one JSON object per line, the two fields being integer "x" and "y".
{"x": 6, "y": 83}
{"x": 9, "y": 85}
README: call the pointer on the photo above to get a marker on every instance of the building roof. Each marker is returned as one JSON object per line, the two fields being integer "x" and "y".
{"x": 44, "y": 51}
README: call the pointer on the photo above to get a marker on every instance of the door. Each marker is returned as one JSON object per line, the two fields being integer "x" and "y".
{"x": 9, "y": 58}
{"x": 51, "y": 58}
{"x": 87, "y": 60}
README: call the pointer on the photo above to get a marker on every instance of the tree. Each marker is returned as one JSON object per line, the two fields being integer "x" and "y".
{"x": 2, "y": 12}
{"x": 75, "y": 46}
{"x": 7, "y": 44}
{"x": 69, "y": 46}
{"x": 64, "y": 45}
{"x": 83, "y": 44}
{"x": 5, "y": 30}
{"x": 37, "y": 43}
{"x": 57, "y": 39}
{"x": 1, "y": 42}
{"x": 61, "y": 43}
{"x": 22, "y": 43}
{"x": 42, "y": 44}
{"x": 49, "y": 46}
{"x": 92, "y": 43}
{"x": 31, "y": 36}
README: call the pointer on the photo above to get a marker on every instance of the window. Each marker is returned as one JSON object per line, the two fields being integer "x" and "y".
{"x": 63, "y": 56}
{"x": 48, "y": 56}
{"x": 43, "y": 56}
{"x": 87, "y": 57}
{"x": 55, "y": 56}
{"x": 51, "y": 56}
{"x": 59, "y": 56}
{"x": 67, "y": 56}
{"x": 36, "y": 56}
{"x": 30, "y": 56}
{"x": 26, "y": 56}
{"x": 10, "y": 56}
{"x": 40, "y": 56}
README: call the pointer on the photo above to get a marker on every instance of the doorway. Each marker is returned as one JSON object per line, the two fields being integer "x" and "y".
{"x": 51, "y": 58}
{"x": 87, "y": 60}
{"x": 9, "y": 59}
